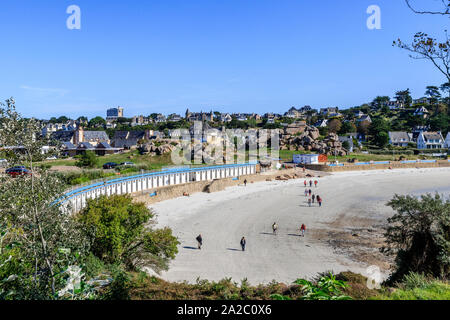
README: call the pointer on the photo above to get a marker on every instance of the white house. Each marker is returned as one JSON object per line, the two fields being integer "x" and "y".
{"x": 321, "y": 124}
{"x": 430, "y": 140}
{"x": 399, "y": 138}
{"x": 422, "y": 112}
{"x": 306, "y": 158}
{"x": 447, "y": 141}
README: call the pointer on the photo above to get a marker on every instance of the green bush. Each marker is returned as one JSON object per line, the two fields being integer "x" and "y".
{"x": 418, "y": 235}
{"x": 120, "y": 234}
{"x": 76, "y": 178}
{"x": 87, "y": 160}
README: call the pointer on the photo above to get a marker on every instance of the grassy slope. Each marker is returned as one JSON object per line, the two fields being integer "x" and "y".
{"x": 156, "y": 162}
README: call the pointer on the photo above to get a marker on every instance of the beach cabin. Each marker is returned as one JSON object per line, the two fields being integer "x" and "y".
{"x": 305, "y": 158}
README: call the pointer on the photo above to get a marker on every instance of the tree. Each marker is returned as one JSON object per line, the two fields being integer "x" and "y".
{"x": 334, "y": 125}
{"x": 347, "y": 127}
{"x": 63, "y": 119}
{"x": 440, "y": 122}
{"x": 120, "y": 232}
{"x": 363, "y": 127}
{"x": 381, "y": 139}
{"x": 39, "y": 240}
{"x": 418, "y": 234}
{"x": 445, "y": 88}
{"x": 87, "y": 160}
{"x": 381, "y": 101}
{"x": 97, "y": 122}
{"x": 445, "y": 9}
{"x": 427, "y": 47}
{"x": 404, "y": 96}
{"x": 433, "y": 93}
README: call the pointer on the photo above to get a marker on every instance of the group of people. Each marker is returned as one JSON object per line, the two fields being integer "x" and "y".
{"x": 308, "y": 192}
{"x": 200, "y": 242}
{"x": 312, "y": 197}
{"x": 302, "y": 229}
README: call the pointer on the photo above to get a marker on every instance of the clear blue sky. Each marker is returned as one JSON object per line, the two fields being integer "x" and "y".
{"x": 226, "y": 55}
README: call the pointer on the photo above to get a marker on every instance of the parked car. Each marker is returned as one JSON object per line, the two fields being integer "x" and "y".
{"x": 52, "y": 158}
{"x": 128, "y": 164}
{"x": 18, "y": 171}
{"x": 110, "y": 165}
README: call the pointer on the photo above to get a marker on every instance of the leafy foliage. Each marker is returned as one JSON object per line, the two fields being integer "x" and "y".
{"x": 419, "y": 234}
{"x": 327, "y": 288}
{"x": 39, "y": 240}
{"x": 120, "y": 232}
{"x": 87, "y": 160}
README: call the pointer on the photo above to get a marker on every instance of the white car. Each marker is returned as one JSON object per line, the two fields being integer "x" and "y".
{"x": 52, "y": 158}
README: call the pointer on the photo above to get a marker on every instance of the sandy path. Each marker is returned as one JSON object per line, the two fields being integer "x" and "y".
{"x": 352, "y": 200}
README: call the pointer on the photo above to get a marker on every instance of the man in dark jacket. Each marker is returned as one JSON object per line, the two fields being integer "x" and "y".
{"x": 199, "y": 240}
{"x": 243, "y": 243}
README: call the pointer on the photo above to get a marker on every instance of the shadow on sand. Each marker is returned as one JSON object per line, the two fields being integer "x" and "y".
{"x": 268, "y": 233}
{"x": 192, "y": 248}
{"x": 232, "y": 249}
{"x": 294, "y": 235}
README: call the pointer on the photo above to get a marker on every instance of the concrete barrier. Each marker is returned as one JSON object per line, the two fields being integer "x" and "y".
{"x": 379, "y": 165}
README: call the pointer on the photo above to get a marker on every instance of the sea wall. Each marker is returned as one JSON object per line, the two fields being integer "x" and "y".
{"x": 378, "y": 166}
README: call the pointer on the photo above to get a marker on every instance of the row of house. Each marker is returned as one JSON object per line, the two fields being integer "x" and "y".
{"x": 424, "y": 139}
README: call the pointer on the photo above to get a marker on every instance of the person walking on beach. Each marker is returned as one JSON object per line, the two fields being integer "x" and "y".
{"x": 309, "y": 202}
{"x": 315, "y": 183}
{"x": 310, "y": 192}
{"x": 245, "y": 182}
{"x": 243, "y": 243}
{"x": 313, "y": 198}
{"x": 304, "y": 182}
{"x": 303, "y": 229}
{"x": 199, "y": 241}
{"x": 274, "y": 228}
{"x": 310, "y": 183}
{"x": 319, "y": 200}
{"x": 306, "y": 192}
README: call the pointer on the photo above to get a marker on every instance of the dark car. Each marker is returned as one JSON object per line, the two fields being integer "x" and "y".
{"x": 110, "y": 165}
{"x": 18, "y": 171}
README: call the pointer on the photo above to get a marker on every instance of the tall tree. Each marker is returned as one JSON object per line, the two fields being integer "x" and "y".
{"x": 381, "y": 101}
{"x": 38, "y": 229}
{"x": 404, "y": 96}
{"x": 427, "y": 47}
{"x": 433, "y": 93}
{"x": 334, "y": 125}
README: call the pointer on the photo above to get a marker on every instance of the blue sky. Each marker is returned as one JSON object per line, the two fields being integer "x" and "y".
{"x": 226, "y": 55}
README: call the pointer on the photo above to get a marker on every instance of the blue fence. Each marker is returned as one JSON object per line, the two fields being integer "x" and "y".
{"x": 95, "y": 186}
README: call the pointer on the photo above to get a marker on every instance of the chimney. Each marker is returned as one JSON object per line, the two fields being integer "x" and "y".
{"x": 79, "y": 135}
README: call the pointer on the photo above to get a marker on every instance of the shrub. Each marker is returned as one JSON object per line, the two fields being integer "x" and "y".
{"x": 120, "y": 233}
{"x": 87, "y": 160}
{"x": 419, "y": 235}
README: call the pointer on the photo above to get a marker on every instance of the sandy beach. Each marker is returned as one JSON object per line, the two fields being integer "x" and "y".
{"x": 344, "y": 234}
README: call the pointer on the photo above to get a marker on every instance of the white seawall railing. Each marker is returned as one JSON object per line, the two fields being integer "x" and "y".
{"x": 77, "y": 198}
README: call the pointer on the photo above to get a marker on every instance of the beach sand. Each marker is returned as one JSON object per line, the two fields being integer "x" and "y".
{"x": 344, "y": 234}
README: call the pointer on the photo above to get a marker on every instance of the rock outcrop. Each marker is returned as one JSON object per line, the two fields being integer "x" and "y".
{"x": 309, "y": 140}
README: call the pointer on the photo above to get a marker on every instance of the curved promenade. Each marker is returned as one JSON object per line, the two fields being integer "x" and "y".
{"x": 151, "y": 181}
